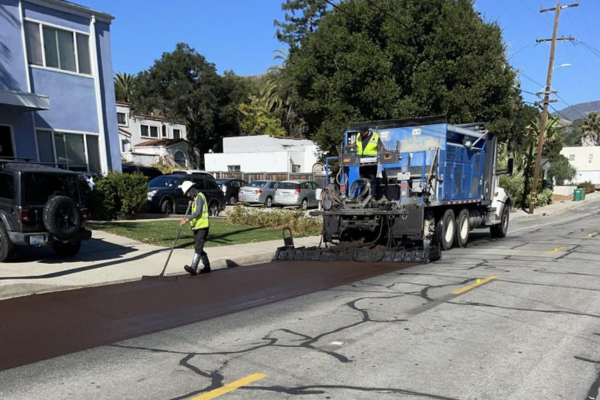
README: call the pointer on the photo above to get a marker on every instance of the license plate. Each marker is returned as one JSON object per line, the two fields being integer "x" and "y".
{"x": 38, "y": 239}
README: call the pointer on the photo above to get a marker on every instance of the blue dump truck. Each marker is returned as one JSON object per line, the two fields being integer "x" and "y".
{"x": 430, "y": 184}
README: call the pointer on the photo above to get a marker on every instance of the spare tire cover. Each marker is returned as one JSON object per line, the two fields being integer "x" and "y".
{"x": 61, "y": 217}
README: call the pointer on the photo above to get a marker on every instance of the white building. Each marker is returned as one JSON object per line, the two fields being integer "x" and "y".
{"x": 586, "y": 161}
{"x": 149, "y": 139}
{"x": 264, "y": 153}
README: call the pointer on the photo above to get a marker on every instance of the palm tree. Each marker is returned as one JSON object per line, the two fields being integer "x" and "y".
{"x": 125, "y": 86}
{"x": 591, "y": 129}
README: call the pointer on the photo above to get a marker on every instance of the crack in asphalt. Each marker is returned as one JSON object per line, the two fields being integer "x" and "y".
{"x": 314, "y": 389}
{"x": 595, "y": 387}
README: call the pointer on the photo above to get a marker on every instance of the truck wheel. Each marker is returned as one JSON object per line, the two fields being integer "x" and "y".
{"x": 62, "y": 217}
{"x": 432, "y": 235}
{"x": 499, "y": 231}
{"x": 7, "y": 247}
{"x": 448, "y": 228}
{"x": 462, "y": 228}
{"x": 66, "y": 250}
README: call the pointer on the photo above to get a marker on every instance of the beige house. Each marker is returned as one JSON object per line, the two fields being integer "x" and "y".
{"x": 586, "y": 161}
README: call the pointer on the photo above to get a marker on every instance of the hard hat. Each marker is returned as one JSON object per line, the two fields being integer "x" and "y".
{"x": 186, "y": 186}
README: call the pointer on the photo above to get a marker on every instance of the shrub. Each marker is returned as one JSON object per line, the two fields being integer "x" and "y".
{"x": 544, "y": 198}
{"x": 119, "y": 194}
{"x": 514, "y": 185}
{"x": 294, "y": 219}
{"x": 588, "y": 186}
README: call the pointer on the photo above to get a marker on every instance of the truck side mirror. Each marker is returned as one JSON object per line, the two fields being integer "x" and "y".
{"x": 510, "y": 166}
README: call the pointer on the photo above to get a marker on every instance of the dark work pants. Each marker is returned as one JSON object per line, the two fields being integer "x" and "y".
{"x": 200, "y": 236}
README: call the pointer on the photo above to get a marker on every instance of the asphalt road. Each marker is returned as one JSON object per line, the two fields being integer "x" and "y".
{"x": 528, "y": 329}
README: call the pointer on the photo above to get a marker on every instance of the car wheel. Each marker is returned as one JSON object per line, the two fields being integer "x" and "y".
{"x": 166, "y": 207}
{"x": 66, "y": 250}
{"x": 213, "y": 209}
{"x": 232, "y": 200}
{"x": 62, "y": 217}
{"x": 269, "y": 202}
{"x": 304, "y": 204}
{"x": 7, "y": 247}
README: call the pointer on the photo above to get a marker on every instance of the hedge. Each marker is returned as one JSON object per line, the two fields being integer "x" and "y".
{"x": 118, "y": 195}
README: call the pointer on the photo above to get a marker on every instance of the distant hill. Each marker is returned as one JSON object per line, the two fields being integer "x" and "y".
{"x": 578, "y": 110}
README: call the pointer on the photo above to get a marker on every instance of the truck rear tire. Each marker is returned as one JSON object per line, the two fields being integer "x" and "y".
{"x": 499, "y": 231}
{"x": 448, "y": 229}
{"x": 462, "y": 228}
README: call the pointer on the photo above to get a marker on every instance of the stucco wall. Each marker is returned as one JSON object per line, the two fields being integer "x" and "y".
{"x": 59, "y": 18}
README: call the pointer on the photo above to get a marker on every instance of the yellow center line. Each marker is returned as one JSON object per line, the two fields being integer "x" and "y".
{"x": 555, "y": 250}
{"x": 473, "y": 285}
{"x": 229, "y": 387}
{"x": 592, "y": 234}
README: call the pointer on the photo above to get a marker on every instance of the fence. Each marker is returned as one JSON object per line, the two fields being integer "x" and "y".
{"x": 272, "y": 176}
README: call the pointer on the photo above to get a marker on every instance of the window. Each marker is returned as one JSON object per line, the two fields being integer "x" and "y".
{"x": 7, "y": 187}
{"x": 76, "y": 152}
{"x": 57, "y": 48}
{"x": 37, "y": 188}
{"x": 233, "y": 168}
{"x": 121, "y": 118}
{"x": 211, "y": 184}
{"x": 125, "y": 145}
{"x": 176, "y": 134}
{"x": 164, "y": 131}
{"x": 144, "y": 130}
{"x": 180, "y": 159}
{"x": 199, "y": 183}
{"x": 571, "y": 157}
{"x": 154, "y": 131}
{"x": 273, "y": 185}
{"x": 590, "y": 158}
{"x": 295, "y": 168}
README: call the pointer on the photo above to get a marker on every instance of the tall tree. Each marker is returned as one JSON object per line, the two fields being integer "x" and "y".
{"x": 380, "y": 59}
{"x": 125, "y": 85}
{"x": 184, "y": 85}
{"x": 591, "y": 129}
{"x": 301, "y": 18}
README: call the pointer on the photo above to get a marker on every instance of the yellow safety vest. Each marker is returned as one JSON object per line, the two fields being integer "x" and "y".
{"x": 371, "y": 149}
{"x": 202, "y": 221}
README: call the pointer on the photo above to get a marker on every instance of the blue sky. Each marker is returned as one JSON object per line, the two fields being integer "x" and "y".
{"x": 238, "y": 35}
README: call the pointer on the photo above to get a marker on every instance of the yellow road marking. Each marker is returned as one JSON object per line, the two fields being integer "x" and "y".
{"x": 593, "y": 234}
{"x": 473, "y": 285}
{"x": 229, "y": 387}
{"x": 555, "y": 250}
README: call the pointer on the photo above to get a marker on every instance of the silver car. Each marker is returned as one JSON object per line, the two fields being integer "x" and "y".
{"x": 297, "y": 193}
{"x": 262, "y": 192}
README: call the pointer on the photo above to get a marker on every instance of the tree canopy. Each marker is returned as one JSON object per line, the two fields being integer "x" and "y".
{"x": 380, "y": 59}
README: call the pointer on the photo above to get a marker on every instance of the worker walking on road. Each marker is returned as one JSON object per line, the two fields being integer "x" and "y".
{"x": 199, "y": 223}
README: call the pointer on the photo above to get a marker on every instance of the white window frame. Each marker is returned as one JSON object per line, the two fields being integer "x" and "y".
{"x": 157, "y": 132}
{"x": 85, "y": 147}
{"x": 74, "y": 33}
{"x": 147, "y": 126}
{"x": 231, "y": 168}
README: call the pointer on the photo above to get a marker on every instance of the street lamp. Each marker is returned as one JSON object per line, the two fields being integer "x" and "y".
{"x": 561, "y": 65}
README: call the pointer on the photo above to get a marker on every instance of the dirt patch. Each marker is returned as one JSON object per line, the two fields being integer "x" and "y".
{"x": 560, "y": 197}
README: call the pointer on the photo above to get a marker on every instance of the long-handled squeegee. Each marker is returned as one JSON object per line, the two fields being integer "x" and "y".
{"x": 162, "y": 276}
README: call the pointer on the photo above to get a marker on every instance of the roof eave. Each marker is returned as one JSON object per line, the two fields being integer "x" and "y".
{"x": 73, "y": 8}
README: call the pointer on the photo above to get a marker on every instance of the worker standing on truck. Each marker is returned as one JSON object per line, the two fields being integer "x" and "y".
{"x": 367, "y": 143}
{"x": 200, "y": 224}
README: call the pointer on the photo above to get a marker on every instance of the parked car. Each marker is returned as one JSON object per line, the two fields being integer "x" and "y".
{"x": 296, "y": 193}
{"x": 192, "y": 172}
{"x": 150, "y": 172}
{"x": 231, "y": 188}
{"x": 41, "y": 206}
{"x": 262, "y": 192}
{"x": 164, "y": 195}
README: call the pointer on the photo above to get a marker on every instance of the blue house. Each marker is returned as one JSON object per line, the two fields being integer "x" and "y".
{"x": 57, "y": 100}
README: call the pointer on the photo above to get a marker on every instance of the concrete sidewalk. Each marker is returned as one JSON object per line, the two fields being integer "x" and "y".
{"x": 555, "y": 208}
{"x": 109, "y": 259}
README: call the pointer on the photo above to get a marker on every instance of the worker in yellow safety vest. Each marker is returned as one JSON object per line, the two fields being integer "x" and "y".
{"x": 367, "y": 143}
{"x": 199, "y": 223}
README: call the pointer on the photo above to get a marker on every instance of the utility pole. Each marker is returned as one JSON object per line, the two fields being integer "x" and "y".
{"x": 547, "y": 91}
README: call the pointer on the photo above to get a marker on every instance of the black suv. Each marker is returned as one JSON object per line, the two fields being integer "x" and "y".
{"x": 231, "y": 189}
{"x": 40, "y": 206}
{"x": 164, "y": 195}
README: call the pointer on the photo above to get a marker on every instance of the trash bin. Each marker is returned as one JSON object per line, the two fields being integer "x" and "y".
{"x": 577, "y": 195}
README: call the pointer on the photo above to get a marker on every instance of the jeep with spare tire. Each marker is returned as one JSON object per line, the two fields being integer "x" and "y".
{"x": 40, "y": 206}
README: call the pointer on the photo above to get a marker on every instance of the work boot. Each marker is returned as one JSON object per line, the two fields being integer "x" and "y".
{"x": 206, "y": 263}
{"x": 193, "y": 269}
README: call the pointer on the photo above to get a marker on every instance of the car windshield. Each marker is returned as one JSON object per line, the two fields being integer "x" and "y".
{"x": 39, "y": 187}
{"x": 222, "y": 181}
{"x": 289, "y": 185}
{"x": 257, "y": 184}
{"x": 165, "y": 181}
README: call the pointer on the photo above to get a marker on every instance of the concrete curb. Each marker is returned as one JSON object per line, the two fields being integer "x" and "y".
{"x": 540, "y": 213}
{"x": 20, "y": 289}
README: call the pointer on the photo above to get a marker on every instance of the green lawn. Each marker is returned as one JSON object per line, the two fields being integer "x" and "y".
{"x": 162, "y": 233}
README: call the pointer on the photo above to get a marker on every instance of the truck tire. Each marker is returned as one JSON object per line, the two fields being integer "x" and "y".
{"x": 62, "y": 217}
{"x": 462, "y": 228}
{"x": 7, "y": 247}
{"x": 432, "y": 236}
{"x": 499, "y": 231}
{"x": 447, "y": 227}
{"x": 66, "y": 250}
